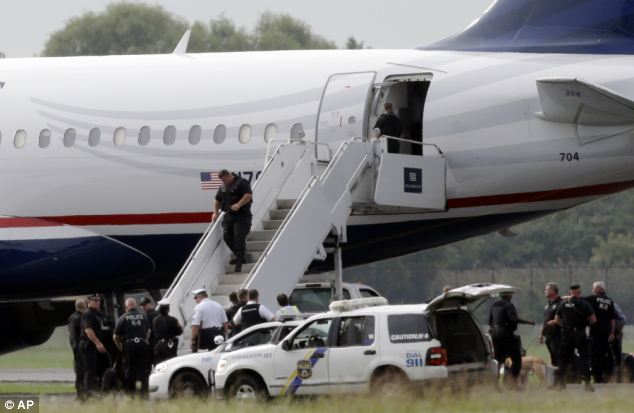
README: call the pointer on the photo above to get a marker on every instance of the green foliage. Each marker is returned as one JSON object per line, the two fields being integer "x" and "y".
{"x": 284, "y": 32}
{"x": 352, "y": 43}
{"x": 219, "y": 35}
{"x": 617, "y": 249}
{"x": 124, "y": 28}
{"x": 133, "y": 28}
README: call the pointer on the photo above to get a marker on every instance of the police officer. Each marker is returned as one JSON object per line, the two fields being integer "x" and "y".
{"x": 243, "y": 298}
{"x": 165, "y": 330}
{"x": 503, "y": 321}
{"x": 74, "y": 334}
{"x": 551, "y": 332}
{"x": 150, "y": 314}
{"x": 602, "y": 332}
{"x": 252, "y": 313}
{"x": 90, "y": 344}
{"x": 574, "y": 315}
{"x": 234, "y": 198}
{"x": 131, "y": 336}
{"x": 208, "y": 321}
{"x": 390, "y": 125}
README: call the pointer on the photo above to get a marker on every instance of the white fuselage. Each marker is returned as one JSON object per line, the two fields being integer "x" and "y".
{"x": 480, "y": 111}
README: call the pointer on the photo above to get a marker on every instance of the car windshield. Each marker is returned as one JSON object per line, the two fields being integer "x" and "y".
{"x": 314, "y": 299}
{"x": 255, "y": 338}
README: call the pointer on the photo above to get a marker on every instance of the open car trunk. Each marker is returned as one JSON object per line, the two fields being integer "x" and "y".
{"x": 461, "y": 337}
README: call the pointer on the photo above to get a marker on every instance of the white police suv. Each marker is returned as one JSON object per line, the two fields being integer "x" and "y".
{"x": 191, "y": 374}
{"x": 364, "y": 345}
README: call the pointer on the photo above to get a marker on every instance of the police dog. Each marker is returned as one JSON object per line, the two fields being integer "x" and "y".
{"x": 530, "y": 364}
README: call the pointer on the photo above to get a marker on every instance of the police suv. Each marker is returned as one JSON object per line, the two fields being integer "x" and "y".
{"x": 190, "y": 374}
{"x": 363, "y": 345}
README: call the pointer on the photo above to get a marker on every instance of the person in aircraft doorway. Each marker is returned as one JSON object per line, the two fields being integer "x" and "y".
{"x": 234, "y": 198}
{"x": 390, "y": 125}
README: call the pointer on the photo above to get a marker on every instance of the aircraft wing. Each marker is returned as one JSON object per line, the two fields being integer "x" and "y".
{"x": 597, "y": 112}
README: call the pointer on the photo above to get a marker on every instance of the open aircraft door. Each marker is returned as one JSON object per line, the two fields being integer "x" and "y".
{"x": 344, "y": 107}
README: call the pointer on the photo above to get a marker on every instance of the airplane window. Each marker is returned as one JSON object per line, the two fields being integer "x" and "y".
{"x": 69, "y": 137}
{"x": 194, "y": 135}
{"x": 45, "y": 138}
{"x": 245, "y": 133}
{"x": 20, "y": 139}
{"x": 270, "y": 132}
{"x": 144, "y": 135}
{"x": 169, "y": 136}
{"x": 94, "y": 137}
{"x": 220, "y": 134}
{"x": 119, "y": 136}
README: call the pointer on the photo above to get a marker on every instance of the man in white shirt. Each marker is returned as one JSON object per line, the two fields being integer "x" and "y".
{"x": 286, "y": 311}
{"x": 252, "y": 313}
{"x": 208, "y": 321}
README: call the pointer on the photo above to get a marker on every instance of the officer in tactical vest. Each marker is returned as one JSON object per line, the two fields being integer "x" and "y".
{"x": 503, "y": 321}
{"x": 90, "y": 344}
{"x": 574, "y": 315}
{"x": 252, "y": 313}
{"x": 131, "y": 336}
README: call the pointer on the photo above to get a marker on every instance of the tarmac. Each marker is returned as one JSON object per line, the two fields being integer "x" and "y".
{"x": 37, "y": 376}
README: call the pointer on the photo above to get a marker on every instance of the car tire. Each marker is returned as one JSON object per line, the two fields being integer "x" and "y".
{"x": 247, "y": 388}
{"x": 188, "y": 384}
{"x": 389, "y": 381}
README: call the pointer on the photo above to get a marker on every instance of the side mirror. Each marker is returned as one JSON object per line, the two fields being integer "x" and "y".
{"x": 218, "y": 340}
{"x": 286, "y": 345}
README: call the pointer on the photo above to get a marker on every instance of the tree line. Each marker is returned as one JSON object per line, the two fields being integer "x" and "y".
{"x": 126, "y": 28}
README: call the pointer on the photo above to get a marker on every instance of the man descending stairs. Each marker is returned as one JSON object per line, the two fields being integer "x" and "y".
{"x": 234, "y": 198}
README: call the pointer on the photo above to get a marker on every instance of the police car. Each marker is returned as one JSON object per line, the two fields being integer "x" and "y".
{"x": 364, "y": 345}
{"x": 191, "y": 374}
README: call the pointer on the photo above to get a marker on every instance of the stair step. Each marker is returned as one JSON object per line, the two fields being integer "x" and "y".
{"x": 245, "y": 268}
{"x": 272, "y": 223}
{"x": 226, "y": 289}
{"x": 234, "y": 278}
{"x": 279, "y": 213}
{"x": 265, "y": 235}
{"x": 285, "y": 203}
{"x": 256, "y": 246}
{"x": 223, "y": 300}
{"x": 253, "y": 256}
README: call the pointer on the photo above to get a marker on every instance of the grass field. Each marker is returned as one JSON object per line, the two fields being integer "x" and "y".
{"x": 617, "y": 399}
{"x": 36, "y": 388}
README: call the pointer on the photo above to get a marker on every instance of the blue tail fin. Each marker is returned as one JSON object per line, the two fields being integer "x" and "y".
{"x": 549, "y": 26}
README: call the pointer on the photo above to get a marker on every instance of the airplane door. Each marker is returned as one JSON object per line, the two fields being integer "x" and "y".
{"x": 343, "y": 107}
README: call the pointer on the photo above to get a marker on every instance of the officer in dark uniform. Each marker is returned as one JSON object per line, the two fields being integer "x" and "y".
{"x": 503, "y": 321}
{"x": 74, "y": 334}
{"x": 90, "y": 344}
{"x": 390, "y": 125}
{"x": 574, "y": 315}
{"x": 551, "y": 332}
{"x": 150, "y": 314}
{"x": 165, "y": 330}
{"x": 131, "y": 334}
{"x": 602, "y": 332}
{"x": 235, "y": 199}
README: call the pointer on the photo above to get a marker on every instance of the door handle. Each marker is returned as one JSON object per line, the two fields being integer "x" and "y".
{"x": 369, "y": 352}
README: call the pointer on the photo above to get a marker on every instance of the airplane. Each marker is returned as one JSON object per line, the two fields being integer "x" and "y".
{"x": 107, "y": 163}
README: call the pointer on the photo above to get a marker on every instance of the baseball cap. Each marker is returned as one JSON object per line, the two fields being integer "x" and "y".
{"x": 574, "y": 286}
{"x": 144, "y": 301}
{"x": 93, "y": 297}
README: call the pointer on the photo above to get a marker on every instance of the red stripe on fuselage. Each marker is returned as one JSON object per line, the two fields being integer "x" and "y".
{"x": 205, "y": 217}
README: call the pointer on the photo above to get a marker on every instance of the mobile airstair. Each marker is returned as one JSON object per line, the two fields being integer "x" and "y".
{"x": 300, "y": 201}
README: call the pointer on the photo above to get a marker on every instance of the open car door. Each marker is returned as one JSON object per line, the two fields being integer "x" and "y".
{"x": 469, "y": 296}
